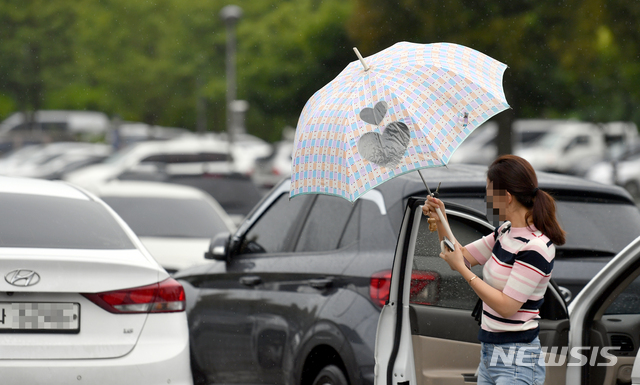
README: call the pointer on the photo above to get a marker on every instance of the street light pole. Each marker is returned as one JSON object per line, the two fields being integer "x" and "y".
{"x": 231, "y": 14}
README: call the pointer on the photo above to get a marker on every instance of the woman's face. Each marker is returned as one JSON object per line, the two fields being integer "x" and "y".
{"x": 497, "y": 201}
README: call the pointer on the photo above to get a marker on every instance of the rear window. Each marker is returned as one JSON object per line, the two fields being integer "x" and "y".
{"x": 37, "y": 221}
{"x": 166, "y": 217}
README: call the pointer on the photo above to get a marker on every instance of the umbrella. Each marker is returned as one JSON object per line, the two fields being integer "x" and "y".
{"x": 405, "y": 108}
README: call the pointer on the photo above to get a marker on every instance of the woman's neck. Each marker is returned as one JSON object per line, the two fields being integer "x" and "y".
{"x": 517, "y": 217}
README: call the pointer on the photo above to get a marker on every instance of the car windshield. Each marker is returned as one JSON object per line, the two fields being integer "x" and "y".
{"x": 605, "y": 228}
{"x": 166, "y": 217}
{"x": 52, "y": 222}
{"x": 551, "y": 140}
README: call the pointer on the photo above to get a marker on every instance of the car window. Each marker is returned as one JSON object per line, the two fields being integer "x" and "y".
{"x": 53, "y": 222}
{"x": 598, "y": 227}
{"x": 325, "y": 224}
{"x": 351, "y": 232}
{"x": 433, "y": 281}
{"x": 236, "y": 193}
{"x": 276, "y": 229}
{"x": 628, "y": 301}
{"x": 166, "y": 217}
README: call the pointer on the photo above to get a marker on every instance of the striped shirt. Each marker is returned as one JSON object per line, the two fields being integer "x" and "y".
{"x": 518, "y": 262}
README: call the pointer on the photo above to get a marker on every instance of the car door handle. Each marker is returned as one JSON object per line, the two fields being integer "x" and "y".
{"x": 321, "y": 283}
{"x": 250, "y": 280}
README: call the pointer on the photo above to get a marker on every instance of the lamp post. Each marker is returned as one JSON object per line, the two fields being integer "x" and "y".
{"x": 230, "y": 15}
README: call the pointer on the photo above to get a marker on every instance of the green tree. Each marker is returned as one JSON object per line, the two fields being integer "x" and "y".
{"x": 565, "y": 59}
{"x": 35, "y": 39}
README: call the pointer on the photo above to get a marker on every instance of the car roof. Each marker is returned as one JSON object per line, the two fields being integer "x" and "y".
{"x": 470, "y": 179}
{"x": 14, "y": 185}
{"x": 147, "y": 189}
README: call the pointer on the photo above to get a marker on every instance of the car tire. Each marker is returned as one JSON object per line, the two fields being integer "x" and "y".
{"x": 331, "y": 375}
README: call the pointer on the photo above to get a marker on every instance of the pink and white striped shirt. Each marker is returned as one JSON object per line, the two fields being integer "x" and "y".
{"x": 518, "y": 262}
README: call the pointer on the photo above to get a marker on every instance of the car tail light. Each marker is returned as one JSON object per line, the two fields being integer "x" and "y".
{"x": 424, "y": 287}
{"x": 379, "y": 287}
{"x": 163, "y": 297}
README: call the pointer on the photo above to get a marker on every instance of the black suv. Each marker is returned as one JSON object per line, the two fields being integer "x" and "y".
{"x": 295, "y": 294}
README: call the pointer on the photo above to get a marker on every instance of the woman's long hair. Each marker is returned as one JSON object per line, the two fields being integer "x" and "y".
{"x": 515, "y": 175}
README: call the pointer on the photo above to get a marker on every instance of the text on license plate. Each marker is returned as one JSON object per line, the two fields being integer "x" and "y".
{"x": 39, "y": 316}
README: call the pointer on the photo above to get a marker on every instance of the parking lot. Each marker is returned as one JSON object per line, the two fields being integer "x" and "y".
{"x": 271, "y": 288}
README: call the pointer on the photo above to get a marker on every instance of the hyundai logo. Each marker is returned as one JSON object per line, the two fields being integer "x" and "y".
{"x": 22, "y": 277}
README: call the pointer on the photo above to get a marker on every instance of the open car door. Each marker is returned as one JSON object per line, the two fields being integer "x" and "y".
{"x": 605, "y": 324}
{"x": 426, "y": 334}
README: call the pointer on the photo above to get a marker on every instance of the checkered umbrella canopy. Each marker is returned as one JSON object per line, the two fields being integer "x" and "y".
{"x": 409, "y": 109}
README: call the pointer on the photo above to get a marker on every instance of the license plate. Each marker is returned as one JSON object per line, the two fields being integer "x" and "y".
{"x": 43, "y": 317}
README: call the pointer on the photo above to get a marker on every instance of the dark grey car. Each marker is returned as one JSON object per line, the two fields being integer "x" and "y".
{"x": 295, "y": 294}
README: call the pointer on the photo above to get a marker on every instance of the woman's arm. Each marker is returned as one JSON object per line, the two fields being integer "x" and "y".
{"x": 497, "y": 300}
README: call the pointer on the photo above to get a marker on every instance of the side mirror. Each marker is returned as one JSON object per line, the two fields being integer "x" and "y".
{"x": 218, "y": 247}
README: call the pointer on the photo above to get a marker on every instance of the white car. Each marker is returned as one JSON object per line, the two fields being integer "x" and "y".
{"x": 566, "y": 147}
{"x": 184, "y": 155}
{"x": 623, "y": 171}
{"x": 82, "y": 301}
{"x": 175, "y": 223}
{"x": 271, "y": 169}
{"x": 426, "y": 334}
{"x": 47, "y": 159}
{"x": 481, "y": 148}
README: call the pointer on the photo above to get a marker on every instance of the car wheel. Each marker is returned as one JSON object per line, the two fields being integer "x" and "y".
{"x": 330, "y": 375}
{"x": 633, "y": 189}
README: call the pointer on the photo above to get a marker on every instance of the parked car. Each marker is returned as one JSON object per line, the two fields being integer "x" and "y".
{"x": 623, "y": 170}
{"x": 481, "y": 146}
{"x": 296, "y": 291}
{"x": 236, "y": 193}
{"x": 175, "y": 223}
{"x": 271, "y": 169}
{"x": 49, "y": 160}
{"x": 566, "y": 146}
{"x": 124, "y": 133}
{"x": 44, "y": 126}
{"x": 574, "y": 147}
{"x": 426, "y": 333}
{"x": 184, "y": 155}
{"x": 82, "y": 301}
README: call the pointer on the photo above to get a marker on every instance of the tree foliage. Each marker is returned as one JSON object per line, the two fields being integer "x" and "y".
{"x": 576, "y": 58}
{"x": 151, "y": 60}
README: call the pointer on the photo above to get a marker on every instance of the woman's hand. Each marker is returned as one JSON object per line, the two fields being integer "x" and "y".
{"x": 429, "y": 209}
{"x": 455, "y": 259}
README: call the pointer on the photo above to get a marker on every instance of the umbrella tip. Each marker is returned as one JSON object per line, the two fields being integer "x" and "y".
{"x": 366, "y": 67}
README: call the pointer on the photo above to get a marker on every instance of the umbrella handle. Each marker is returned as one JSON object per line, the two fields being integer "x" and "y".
{"x": 447, "y": 229}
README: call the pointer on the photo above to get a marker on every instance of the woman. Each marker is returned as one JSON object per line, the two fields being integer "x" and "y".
{"x": 518, "y": 260}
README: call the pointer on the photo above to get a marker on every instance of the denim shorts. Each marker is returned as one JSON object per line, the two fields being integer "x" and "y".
{"x": 511, "y": 363}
